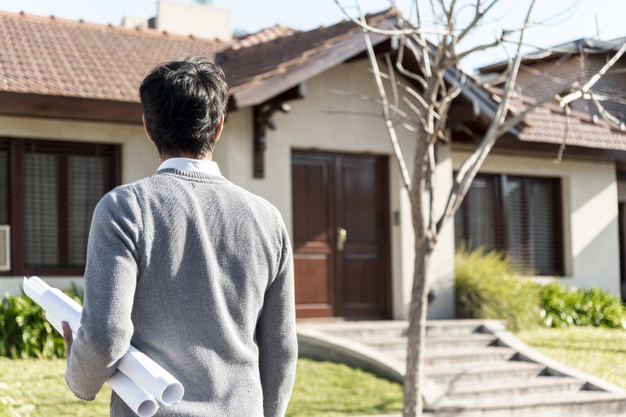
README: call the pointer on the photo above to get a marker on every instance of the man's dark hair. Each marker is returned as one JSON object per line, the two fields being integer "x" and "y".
{"x": 183, "y": 102}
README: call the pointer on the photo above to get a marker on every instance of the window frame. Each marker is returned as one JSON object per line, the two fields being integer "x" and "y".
{"x": 17, "y": 148}
{"x": 499, "y": 205}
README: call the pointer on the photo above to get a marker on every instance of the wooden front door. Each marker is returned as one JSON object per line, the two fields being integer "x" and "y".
{"x": 341, "y": 235}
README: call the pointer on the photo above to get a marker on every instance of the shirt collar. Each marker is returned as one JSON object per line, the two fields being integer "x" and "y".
{"x": 186, "y": 164}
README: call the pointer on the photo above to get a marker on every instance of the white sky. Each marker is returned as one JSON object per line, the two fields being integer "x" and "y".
{"x": 587, "y": 19}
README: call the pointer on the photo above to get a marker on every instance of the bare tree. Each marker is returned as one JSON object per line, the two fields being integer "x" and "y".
{"x": 429, "y": 92}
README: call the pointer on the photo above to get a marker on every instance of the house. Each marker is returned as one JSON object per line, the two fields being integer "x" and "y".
{"x": 70, "y": 129}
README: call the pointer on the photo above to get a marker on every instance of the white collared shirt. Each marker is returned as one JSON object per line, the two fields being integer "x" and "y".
{"x": 187, "y": 164}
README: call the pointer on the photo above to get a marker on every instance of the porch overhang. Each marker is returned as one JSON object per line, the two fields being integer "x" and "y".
{"x": 66, "y": 107}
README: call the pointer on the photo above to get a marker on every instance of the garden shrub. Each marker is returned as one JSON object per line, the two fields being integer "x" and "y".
{"x": 487, "y": 287}
{"x": 24, "y": 330}
{"x": 589, "y": 307}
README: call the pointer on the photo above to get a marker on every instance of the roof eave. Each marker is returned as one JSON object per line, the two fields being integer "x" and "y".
{"x": 71, "y": 108}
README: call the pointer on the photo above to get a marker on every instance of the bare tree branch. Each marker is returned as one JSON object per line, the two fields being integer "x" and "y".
{"x": 559, "y": 156}
{"x": 348, "y": 113}
{"x": 478, "y": 16}
{"x": 418, "y": 113}
{"x": 608, "y": 117}
{"x": 385, "y": 106}
{"x": 392, "y": 78}
{"x": 431, "y": 185}
{"x": 392, "y": 32}
{"x": 410, "y": 91}
{"x": 584, "y": 91}
{"x": 470, "y": 167}
{"x": 364, "y": 97}
{"x": 403, "y": 71}
{"x": 519, "y": 117}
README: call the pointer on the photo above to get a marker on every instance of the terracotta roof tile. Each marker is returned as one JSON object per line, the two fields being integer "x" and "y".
{"x": 547, "y": 124}
{"x": 50, "y": 56}
{"x": 46, "y": 55}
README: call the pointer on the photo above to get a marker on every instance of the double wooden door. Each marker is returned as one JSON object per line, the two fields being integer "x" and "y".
{"x": 341, "y": 235}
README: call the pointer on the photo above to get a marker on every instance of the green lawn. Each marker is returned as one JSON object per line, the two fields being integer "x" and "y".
{"x": 36, "y": 388}
{"x": 596, "y": 351}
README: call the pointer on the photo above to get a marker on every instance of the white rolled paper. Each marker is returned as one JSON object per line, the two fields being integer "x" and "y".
{"x": 151, "y": 377}
{"x": 140, "y": 401}
{"x": 141, "y": 378}
{"x": 56, "y": 324}
{"x": 57, "y": 304}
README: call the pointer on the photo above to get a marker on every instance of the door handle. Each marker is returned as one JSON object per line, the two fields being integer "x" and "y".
{"x": 342, "y": 236}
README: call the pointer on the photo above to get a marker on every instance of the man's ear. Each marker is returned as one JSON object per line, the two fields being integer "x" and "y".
{"x": 220, "y": 127}
{"x": 145, "y": 127}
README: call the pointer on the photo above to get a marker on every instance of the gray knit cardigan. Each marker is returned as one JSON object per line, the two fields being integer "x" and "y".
{"x": 198, "y": 274}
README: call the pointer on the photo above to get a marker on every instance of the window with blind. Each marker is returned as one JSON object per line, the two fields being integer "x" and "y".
{"x": 48, "y": 191}
{"x": 520, "y": 216}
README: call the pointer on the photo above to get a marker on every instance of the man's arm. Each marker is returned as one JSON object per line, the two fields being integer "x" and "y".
{"x": 110, "y": 281}
{"x": 276, "y": 337}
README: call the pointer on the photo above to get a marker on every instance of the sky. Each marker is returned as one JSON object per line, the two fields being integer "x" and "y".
{"x": 562, "y": 20}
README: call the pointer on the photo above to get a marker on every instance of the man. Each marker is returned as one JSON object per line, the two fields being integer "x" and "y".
{"x": 194, "y": 271}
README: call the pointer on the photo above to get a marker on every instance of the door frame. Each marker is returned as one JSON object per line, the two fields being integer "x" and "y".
{"x": 385, "y": 232}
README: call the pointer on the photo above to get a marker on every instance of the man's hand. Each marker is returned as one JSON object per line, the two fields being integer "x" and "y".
{"x": 67, "y": 335}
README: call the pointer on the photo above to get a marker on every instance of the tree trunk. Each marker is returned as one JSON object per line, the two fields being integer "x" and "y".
{"x": 413, "y": 384}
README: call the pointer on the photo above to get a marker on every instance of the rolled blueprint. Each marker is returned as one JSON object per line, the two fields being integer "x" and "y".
{"x": 151, "y": 377}
{"x": 141, "y": 402}
{"x": 141, "y": 371}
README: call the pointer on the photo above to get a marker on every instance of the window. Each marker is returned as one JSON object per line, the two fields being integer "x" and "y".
{"x": 48, "y": 191}
{"x": 520, "y": 216}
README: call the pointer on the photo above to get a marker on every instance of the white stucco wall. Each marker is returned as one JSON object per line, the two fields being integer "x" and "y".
{"x": 139, "y": 158}
{"x": 590, "y": 213}
{"x": 330, "y": 122}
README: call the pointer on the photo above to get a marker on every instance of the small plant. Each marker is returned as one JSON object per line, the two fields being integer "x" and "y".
{"x": 24, "y": 330}
{"x": 589, "y": 307}
{"x": 487, "y": 287}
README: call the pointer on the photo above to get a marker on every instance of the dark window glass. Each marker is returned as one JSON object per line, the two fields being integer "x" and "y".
{"x": 50, "y": 212}
{"x": 520, "y": 216}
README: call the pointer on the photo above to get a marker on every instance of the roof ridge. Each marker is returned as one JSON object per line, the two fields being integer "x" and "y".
{"x": 372, "y": 19}
{"x": 137, "y": 31}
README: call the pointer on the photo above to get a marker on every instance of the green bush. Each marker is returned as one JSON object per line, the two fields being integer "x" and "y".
{"x": 487, "y": 287}
{"x": 24, "y": 330}
{"x": 590, "y": 307}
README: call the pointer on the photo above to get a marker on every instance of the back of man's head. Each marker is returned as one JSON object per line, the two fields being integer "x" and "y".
{"x": 183, "y": 102}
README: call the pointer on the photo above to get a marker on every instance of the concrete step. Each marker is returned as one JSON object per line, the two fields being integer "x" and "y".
{"x": 515, "y": 388}
{"x": 456, "y": 357}
{"x": 397, "y": 328}
{"x": 580, "y": 404}
{"x": 360, "y": 329}
{"x": 451, "y": 375}
{"x": 453, "y": 327}
{"x": 432, "y": 342}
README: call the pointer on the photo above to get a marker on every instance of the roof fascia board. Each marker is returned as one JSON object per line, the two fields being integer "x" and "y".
{"x": 73, "y": 108}
{"x": 517, "y": 148}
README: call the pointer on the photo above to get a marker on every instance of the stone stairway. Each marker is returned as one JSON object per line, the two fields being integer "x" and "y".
{"x": 472, "y": 368}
